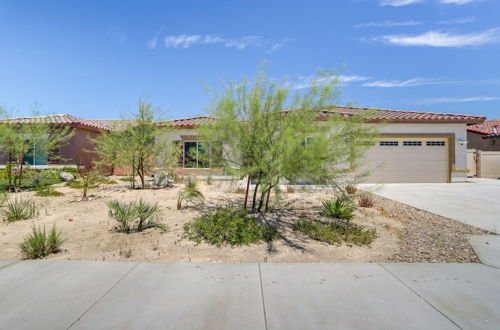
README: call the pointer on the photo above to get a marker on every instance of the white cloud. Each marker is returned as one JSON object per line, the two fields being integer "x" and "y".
{"x": 187, "y": 41}
{"x": 457, "y": 2}
{"x": 398, "y": 3}
{"x": 463, "y": 20}
{"x": 388, "y": 24}
{"x": 445, "y": 39}
{"x": 405, "y": 83}
{"x": 459, "y": 99}
{"x": 308, "y": 81}
{"x": 153, "y": 43}
{"x": 278, "y": 45}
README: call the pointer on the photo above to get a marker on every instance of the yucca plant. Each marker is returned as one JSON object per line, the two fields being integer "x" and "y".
{"x": 40, "y": 244}
{"x": 136, "y": 216}
{"x": 365, "y": 201}
{"x": 351, "y": 189}
{"x": 341, "y": 208}
{"x": 18, "y": 209}
{"x": 189, "y": 193}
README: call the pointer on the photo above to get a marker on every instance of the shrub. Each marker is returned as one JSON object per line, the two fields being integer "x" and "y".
{"x": 105, "y": 180}
{"x": 4, "y": 196}
{"x": 228, "y": 226}
{"x": 136, "y": 216}
{"x": 39, "y": 244}
{"x": 336, "y": 232}
{"x": 209, "y": 180}
{"x": 290, "y": 190}
{"x": 126, "y": 179}
{"x": 351, "y": 189}
{"x": 86, "y": 182}
{"x": 19, "y": 209}
{"x": 341, "y": 208}
{"x": 48, "y": 191}
{"x": 189, "y": 193}
{"x": 365, "y": 201}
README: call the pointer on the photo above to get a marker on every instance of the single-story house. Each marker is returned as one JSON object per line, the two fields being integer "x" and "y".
{"x": 412, "y": 147}
{"x": 483, "y": 149}
{"x": 76, "y": 150}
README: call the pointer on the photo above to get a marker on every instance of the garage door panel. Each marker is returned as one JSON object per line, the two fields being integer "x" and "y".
{"x": 401, "y": 163}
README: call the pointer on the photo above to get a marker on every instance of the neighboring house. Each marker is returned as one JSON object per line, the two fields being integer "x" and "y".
{"x": 483, "y": 154}
{"x": 413, "y": 146}
{"x": 72, "y": 152}
{"x": 484, "y": 136}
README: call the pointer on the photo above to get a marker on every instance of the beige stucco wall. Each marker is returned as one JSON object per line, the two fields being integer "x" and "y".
{"x": 459, "y": 130}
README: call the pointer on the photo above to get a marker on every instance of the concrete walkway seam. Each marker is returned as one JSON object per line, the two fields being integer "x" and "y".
{"x": 262, "y": 295}
{"x": 418, "y": 295}
{"x": 10, "y": 264}
{"x": 104, "y": 295}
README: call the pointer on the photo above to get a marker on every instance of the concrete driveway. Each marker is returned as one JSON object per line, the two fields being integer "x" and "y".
{"x": 58, "y": 294}
{"x": 475, "y": 203}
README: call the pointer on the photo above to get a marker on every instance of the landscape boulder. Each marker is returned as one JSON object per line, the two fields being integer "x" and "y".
{"x": 66, "y": 177}
{"x": 163, "y": 180}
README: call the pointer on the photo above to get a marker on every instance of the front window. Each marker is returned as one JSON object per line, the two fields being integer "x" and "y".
{"x": 197, "y": 154}
{"x": 36, "y": 154}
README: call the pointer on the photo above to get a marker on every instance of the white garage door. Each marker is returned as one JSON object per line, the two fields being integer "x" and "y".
{"x": 408, "y": 160}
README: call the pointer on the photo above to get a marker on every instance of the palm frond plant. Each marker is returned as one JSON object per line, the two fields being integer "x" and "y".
{"x": 136, "y": 215}
{"x": 340, "y": 207}
{"x": 40, "y": 244}
{"x": 189, "y": 193}
{"x": 18, "y": 209}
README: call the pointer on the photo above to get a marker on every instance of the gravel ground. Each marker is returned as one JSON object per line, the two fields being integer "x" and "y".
{"x": 427, "y": 237}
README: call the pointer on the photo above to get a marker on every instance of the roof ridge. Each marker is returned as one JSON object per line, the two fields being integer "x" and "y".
{"x": 400, "y": 110}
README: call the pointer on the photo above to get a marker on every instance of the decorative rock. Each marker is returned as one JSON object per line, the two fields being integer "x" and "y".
{"x": 66, "y": 177}
{"x": 163, "y": 180}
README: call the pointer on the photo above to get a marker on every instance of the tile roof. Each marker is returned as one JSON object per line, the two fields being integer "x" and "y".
{"x": 403, "y": 116}
{"x": 62, "y": 119}
{"x": 188, "y": 122}
{"x": 487, "y": 128}
{"x": 389, "y": 115}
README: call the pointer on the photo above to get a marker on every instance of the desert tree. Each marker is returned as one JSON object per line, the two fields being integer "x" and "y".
{"x": 28, "y": 139}
{"x": 265, "y": 132}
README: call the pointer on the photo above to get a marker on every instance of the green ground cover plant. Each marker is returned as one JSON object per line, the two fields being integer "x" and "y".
{"x": 336, "y": 232}
{"x": 229, "y": 226}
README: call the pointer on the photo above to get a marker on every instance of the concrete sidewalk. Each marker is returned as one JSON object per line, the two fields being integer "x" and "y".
{"x": 126, "y": 295}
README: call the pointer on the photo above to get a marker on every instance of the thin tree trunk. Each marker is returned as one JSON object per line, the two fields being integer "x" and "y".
{"x": 247, "y": 191}
{"x": 261, "y": 201}
{"x": 254, "y": 200}
{"x": 267, "y": 200}
{"x": 9, "y": 171}
{"x": 21, "y": 161}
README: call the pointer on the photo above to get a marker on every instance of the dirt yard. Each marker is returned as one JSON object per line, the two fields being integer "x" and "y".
{"x": 90, "y": 234}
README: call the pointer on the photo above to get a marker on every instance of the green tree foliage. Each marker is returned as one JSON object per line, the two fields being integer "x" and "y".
{"x": 139, "y": 144}
{"x": 263, "y": 131}
{"x": 19, "y": 141}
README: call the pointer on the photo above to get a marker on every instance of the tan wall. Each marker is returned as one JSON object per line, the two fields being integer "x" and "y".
{"x": 471, "y": 162}
{"x": 490, "y": 164}
{"x": 476, "y": 141}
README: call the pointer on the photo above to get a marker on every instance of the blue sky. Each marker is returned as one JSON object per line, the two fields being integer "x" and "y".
{"x": 96, "y": 58}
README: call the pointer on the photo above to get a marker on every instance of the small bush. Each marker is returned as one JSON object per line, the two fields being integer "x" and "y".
{"x": 336, "y": 232}
{"x": 228, "y": 226}
{"x": 365, "y": 201}
{"x": 136, "y": 216}
{"x": 105, "y": 180}
{"x": 48, "y": 191}
{"x": 290, "y": 190}
{"x": 39, "y": 244}
{"x": 126, "y": 179}
{"x": 351, "y": 189}
{"x": 19, "y": 209}
{"x": 189, "y": 193}
{"x": 341, "y": 208}
{"x": 209, "y": 180}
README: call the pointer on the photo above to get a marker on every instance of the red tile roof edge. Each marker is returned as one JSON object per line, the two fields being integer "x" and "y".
{"x": 488, "y": 128}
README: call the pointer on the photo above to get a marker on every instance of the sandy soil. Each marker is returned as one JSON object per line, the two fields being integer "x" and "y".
{"x": 90, "y": 233}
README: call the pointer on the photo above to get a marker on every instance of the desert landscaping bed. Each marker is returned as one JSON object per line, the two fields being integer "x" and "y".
{"x": 404, "y": 234}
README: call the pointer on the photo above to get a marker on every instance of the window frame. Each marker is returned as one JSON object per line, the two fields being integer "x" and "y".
{"x": 197, "y": 153}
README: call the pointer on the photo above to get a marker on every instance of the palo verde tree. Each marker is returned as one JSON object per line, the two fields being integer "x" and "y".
{"x": 20, "y": 140}
{"x": 264, "y": 132}
{"x": 139, "y": 144}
